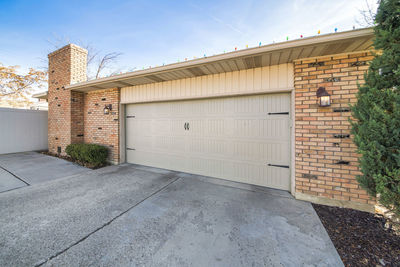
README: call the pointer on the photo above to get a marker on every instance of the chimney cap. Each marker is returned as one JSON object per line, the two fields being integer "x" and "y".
{"x": 66, "y": 47}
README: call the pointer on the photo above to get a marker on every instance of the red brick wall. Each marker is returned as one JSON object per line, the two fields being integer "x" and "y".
{"x": 100, "y": 128}
{"x": 66, "y": 65}
{"x": 319, "y": 148}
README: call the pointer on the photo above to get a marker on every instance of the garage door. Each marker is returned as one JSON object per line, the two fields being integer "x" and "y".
{"x": 243, "y": 139}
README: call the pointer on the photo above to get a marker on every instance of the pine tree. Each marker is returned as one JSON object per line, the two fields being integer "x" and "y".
{"x": 376, "y": 127}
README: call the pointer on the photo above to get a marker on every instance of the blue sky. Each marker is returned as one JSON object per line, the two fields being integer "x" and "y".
{"x": 150, "y": 33}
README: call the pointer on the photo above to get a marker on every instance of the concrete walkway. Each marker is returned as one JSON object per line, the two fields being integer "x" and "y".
{"x": 131, "y": 215}
{"x": 27, "y": 168}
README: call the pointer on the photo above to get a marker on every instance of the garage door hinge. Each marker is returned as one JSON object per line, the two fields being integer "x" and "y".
{"x": 280, "y": 166}
{"x": 128, "y": 148}
{"x": 278, "y": 113}
{"x": 129, "y": 117}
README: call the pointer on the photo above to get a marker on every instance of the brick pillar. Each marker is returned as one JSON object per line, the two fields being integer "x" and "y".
{"x": 65, "y": 118}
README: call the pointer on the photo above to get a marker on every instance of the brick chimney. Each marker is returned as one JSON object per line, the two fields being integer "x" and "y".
{"x": 67, "y": 65}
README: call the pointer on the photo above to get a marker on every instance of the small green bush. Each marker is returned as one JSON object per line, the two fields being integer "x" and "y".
{"x": 95, "y": 155}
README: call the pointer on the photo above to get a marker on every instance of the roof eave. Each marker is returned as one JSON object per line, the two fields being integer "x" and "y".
{"x": 332, "y": 37}
{"x": 41, "y": 95}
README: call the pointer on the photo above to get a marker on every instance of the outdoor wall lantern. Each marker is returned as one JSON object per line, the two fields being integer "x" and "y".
{"x": 107, "y": 109}
{"x": 324, "y": 98}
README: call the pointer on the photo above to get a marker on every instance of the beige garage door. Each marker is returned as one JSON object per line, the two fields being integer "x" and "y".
{"x": 243, "y": 139}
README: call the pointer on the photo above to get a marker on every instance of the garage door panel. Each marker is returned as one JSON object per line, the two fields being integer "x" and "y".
{"x": 206, "y": 166}
{"x": 276, "y": 128}
{"x": 278, "y": 177}
{"x": 249, "y": 173}
{"x": 232, "y": 138}
{"x": 249, "y": 106}
{"x": 162, "y": 139}
{"x": 159, "y": 159}
{"x": 209, "y": 147}
{"x": 165, "y": 144}
{"x": 241, "y": 150}
{"x": 244, "y": 172}
{"x": 267, "y": 129}
{"x": 275, "y": 153}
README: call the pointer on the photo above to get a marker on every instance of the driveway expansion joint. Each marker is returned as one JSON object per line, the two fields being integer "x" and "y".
{"x": 19, "y": 178}
{"x": 105, "y": 224}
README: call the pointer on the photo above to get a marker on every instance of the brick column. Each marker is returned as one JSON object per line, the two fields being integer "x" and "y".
{"x": 326, "y": 158}
{"x": 65, "y": 118}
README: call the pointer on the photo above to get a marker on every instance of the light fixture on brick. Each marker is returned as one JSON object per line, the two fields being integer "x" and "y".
{"x": 324, "y": 98}
{"x": 107, "y": 109}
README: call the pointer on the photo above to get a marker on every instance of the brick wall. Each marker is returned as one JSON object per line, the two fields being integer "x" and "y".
{"x": 100, "y": 128}
{"x": 66, "y": 65}
{"x": 77, "y": 117}
{"x": 326, "y": 158}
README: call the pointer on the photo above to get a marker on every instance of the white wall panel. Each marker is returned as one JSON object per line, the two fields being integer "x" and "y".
{"x": 258, "y": 80}
{"x": 22, "y": 130}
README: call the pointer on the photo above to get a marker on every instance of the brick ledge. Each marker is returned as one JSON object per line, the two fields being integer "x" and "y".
{"x": 326, "y": 57}
{"x": 336, "y": 203}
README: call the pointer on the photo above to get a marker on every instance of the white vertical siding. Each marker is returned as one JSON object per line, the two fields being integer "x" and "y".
{"x": 258, "y": 80}
{"x": 22, "y": 130}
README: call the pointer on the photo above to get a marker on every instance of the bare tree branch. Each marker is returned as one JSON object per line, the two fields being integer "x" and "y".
{"x": 92, "y": 54}
{"x": 367, "y": 15}
{"x": 106, "y": 61}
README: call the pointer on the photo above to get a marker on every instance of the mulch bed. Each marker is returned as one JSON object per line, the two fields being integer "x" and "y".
{"x": 87, "y": 165}
{"x": 361, "y": 238}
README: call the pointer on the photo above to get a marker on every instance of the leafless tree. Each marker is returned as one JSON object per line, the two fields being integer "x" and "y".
{"x": 367, "y": 14}
{"x": 92, "y": 54}
{"x": 105, "y": 62}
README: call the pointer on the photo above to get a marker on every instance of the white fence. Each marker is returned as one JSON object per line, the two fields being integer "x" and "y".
{"x": 22, "y": 130}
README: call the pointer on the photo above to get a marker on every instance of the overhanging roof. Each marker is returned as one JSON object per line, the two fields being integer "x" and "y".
{"x": 41, "y": 95}
{"x": 272, "y": 54}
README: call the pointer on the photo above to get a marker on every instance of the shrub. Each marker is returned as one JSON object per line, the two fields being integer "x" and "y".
{"x": 95, "y": 155}
{"x": 377, "y": 112}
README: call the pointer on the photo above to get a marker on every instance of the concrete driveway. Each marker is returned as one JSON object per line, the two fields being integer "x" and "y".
{"x": 28, "y": 168}
{"x": 131, "y": 215}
